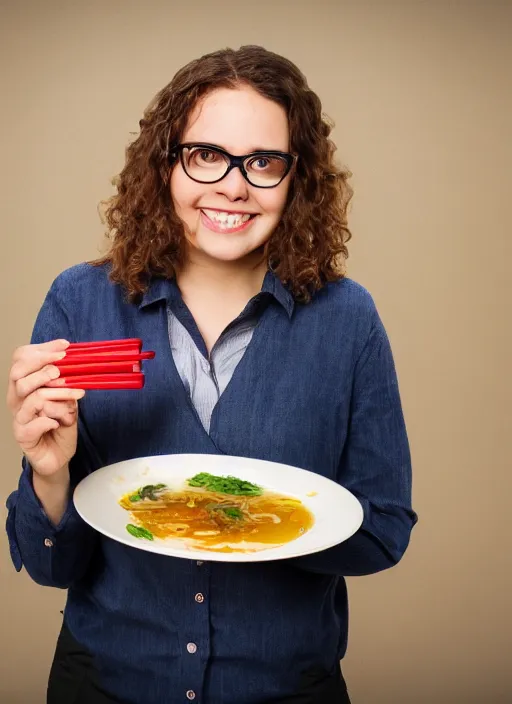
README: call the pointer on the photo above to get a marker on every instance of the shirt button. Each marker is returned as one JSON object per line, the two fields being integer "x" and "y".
{"x": 199, "y": 598}
{"x": 192, "y": 648}
{"x": 199, "y": 563}
{"x": 48, "y": 543}
{"x": 191, "y": 694}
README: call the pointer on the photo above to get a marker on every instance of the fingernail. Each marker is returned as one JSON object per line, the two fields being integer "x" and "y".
{"x": 59, "y": 355}
{"x": 53, "y": 372}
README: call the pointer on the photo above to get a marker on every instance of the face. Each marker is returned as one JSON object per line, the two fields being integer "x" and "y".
{"x": 230, "y": 220}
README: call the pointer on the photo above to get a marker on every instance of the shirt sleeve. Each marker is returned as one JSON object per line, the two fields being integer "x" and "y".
{"x": 376, "y": 467}
{"x": 53, "y": 555}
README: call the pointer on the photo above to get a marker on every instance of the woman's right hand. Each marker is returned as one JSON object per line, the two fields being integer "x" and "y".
{"x": 44, "y": 419}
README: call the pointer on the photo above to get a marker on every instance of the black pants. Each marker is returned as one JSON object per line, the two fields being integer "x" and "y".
{"x": 73, "y": 680}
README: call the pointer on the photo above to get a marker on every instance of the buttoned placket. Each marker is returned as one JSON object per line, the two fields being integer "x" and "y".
{"x": 195, "y": 636}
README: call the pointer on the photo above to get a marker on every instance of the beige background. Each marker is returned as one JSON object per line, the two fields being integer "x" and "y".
{"x": 421, "y": 96}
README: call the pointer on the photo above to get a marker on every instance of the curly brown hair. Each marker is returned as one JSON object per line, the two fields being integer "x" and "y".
{"x": 308, "y": 247}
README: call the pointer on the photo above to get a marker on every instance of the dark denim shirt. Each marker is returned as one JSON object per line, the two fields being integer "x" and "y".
{"x": 316, "y": 388}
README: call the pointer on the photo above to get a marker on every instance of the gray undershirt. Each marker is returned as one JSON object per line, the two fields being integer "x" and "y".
{"x": 205, "y": 380}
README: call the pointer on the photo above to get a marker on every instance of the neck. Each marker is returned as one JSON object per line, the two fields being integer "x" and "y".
{"x": 239, "y": 279}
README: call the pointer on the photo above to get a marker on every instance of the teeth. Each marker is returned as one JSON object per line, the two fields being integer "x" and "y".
{"x": 227, "y": 220}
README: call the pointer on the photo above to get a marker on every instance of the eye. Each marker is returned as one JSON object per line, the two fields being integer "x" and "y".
{"x": 260, "y": 163}
{"x": 206, "y": 155}
{"x": 266, "y": 165}
{"x": 203, "y": 157}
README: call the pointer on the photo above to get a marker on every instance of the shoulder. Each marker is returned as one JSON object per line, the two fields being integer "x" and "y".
{"x": 348, "y": 299}
{"x": 82, "y": 276}
{"x": 86, "y": 291}
{"x": 344, "y": 313}
{"x": 89, "y": 303}
{"x": 86, "y": 286}
{"x": 350, "y": 292}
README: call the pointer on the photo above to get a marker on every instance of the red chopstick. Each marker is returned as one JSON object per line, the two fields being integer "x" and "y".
{"x": 72, "y": 369}
{"x": 104, "y": 357}
{"x": 112, "y": 349}
{"x": 100, "y": 381}
{"x": 86, "y": 351}
{"x": 102, "y": 364}
{"x": 130, "y": 342}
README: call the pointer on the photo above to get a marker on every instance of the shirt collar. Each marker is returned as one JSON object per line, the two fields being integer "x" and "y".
{"x": 167, "y": 290}
{"x": 273, "y": 285}
{"x": 159, "y": 289}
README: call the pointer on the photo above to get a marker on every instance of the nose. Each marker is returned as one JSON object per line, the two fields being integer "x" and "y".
{"x": 234, "y": 186}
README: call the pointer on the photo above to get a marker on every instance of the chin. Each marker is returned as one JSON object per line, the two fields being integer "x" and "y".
{"x": 226, "y": 251}
{"x": 226, "y": 254}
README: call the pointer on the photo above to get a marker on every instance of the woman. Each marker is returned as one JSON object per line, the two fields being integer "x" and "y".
{"x": 228, "y": 237}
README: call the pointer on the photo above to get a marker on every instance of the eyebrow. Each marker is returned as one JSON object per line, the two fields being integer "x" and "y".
{"x": 220, "y": 146}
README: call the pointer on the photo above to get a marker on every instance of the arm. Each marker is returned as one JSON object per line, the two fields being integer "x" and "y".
{"x": 376, "y": 467}
{"x": 54, "y": 554}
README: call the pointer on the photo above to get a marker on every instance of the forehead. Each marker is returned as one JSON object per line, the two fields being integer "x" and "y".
{"x": 239, "y": 120}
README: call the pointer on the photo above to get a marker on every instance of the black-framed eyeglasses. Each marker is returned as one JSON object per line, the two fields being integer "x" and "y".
{"x": 206, "y": 163}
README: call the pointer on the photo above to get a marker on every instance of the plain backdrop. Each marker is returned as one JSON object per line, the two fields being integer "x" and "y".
{"x": 421, "y": 94}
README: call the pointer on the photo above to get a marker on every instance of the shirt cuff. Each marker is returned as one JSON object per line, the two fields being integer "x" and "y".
{"x": 27, "y": 522}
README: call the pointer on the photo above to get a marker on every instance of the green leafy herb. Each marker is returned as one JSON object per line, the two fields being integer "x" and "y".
{"x": 225, "y": 485}
{"x": 139, "y": 532}
{"x": 147, "y": 492}
{"x": 232, "y": 512}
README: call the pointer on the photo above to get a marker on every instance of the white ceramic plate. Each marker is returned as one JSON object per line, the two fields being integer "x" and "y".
{"x": 338, "y": 514}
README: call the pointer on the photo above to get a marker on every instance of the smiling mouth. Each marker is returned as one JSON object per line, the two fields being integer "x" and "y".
{"x": 222, "y": 221}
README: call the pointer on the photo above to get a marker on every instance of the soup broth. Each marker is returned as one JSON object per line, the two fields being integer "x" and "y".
{"x": 216, "y": 520}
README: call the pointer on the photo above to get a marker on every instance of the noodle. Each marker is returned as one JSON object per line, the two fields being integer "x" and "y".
{"x": 216, "y": 520}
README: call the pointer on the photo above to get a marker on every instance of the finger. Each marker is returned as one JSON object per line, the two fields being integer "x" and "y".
{"x": 28, "y": 384}
{"x": 65, "y": 412}
{"x": 61, "y": 393}
{"x": 35, "y": 403}
{"x": 28, "y": 436}
{"x": 33, "y": 361}
{"x": 68, "y": 420}
{"x": 59, "y": 409}
{"x": 58, "y": 345}
{"x": 62, "y": 411}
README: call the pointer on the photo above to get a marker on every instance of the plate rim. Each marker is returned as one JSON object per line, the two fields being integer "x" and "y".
{"x": 196, "y": 554}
